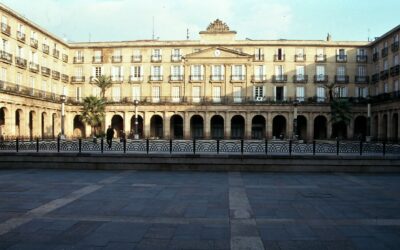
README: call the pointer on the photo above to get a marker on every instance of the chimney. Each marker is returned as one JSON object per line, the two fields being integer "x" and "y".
{"x": 329, "y": 38}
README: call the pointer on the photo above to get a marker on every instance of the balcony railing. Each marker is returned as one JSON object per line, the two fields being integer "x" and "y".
{"x": 133, "y": 79}
{"x": 362, "y": 58}
{"x": 136, "y": 58}
{"x": 176, "y": 58}
{"x": 77, "y": 79}
{"x": 79, "y": 60}
{"x": 46, "y": 48}
{"x": 320, "y": 58}
{"x": 156, "y": 58}
{"x": 155, "y": 78}
{"x": 56, "y": 53}
{"x": 97, "y": 59}
{"x": 341, "y": 58}
{"x": 394, "y": 71}
{"x": 361, "y": 79}
{"x": 341, "y": 79}
{"x": 64, "y": 58}
{"x": 116, "y": 59}
{"x": 117, "y": 79}
{"x": 45, "y": 71}
{"x": 385, "y": 52}
{"x": 21, "y": 36}
{"x": 238, "y": 78}
{"x": 375, "y": 78}
{"x": 176, "y": 78}
{"x": 259, "y": 57}
{"x": 384, "y": 74}
{"x": 34, "y": 43}
{"x": 217, "y": 78}
{"x": 26, "y": 91}
{"x": 300, "y": 78}
{"x": 5, "y": 29}
{"x": 375, "y": 56}
{"x": 55, "y": 75}
{"x": 395, "y": 46}
{"x": 321, "y": 78}
{"x": 64, "y": 78}
{"x": 279, "y": 78}
{"x": 299, "y": 58}
{"x": 33, "y": 67}
{"x": 279, "y": 58}
{"x": 5, "y": 57}
{"x": 196, "y": 78}
{"x": 20, "y": 62}
{"x": 259, "y": 78}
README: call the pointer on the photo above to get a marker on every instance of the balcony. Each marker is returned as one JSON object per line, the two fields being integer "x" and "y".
{"x": 176, "y": 58}
{"x": 259, "y": 57}
{"x": 299, "y": 58}
{"x": 46, "y": 48}
{"x": 279, "y": 78}
{"x": 156, "y": 58}
{"x": 116, "y": 59}
{"x": 375, "y": 57}
{"x": 78, "y": 60}
{"x": 34, "y": 43}
{"x": 385, "y": 52}
{"x": 320, "y": 58}
{"x": 341, "y": 58}
{"x": 394, "y": 71}
{"x": 361, "y": 79}
{"x": 259, "y": 78}
{"x": 300, "y": 78}
{"x": 321, "y": 78}
{"x": 395, "y": 46}
{"x": 341, "y": 79}
{"x": 135, "y": 79}
{"x": 176, "y": 78}
{"x": 64, "y": 58}
{"x": 217, "y": 78}
{"x": 55, "y": 75}
{"x": 26, "y": 91}
{"x": 362, "y": 58}
{"x": 56, "y": 53}
{"x": 97, "y": 59}
{"x": 5, "y": 29}
{"x": 64, "y": 78}
{"x": 384, "y": 74}
{"x": 21, "y": 37}
{"x": 279, "y": 58}
{"x": 33, "y": 67}
{"x": 196, "y": 78}
{"x": 375, "y": 78}
{"x": 136, "y": 58}
{"x": 117, "y": 79}
{"x": 238, "y": 78}
{"x": 77, "y": 79}
{"x": 5, "y": 57}
{"x": 45, "y": 71}
{"x": 155, "y": 78}
{"x": 20, "y": 62}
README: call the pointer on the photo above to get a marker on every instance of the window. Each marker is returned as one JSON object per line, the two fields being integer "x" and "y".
{"x": 19, "y": 79}
{"x": 176, "y": 54}
{"x": 300, "y": 94}
{"x": 156, "y": 73}
{"x": 385, "y": 65}
{"x": 175, "y": 94}
{"x": 216, "y": 93}
{"x": 259, "y": 73}
{"x": 396, "y": 38}
{"x": 155, "y": 94}
{"x": 385, "y": 88}
{"x": 259, "y": 55}
{"x": 136, "y": 73}
{"x": 116, "y": 93}
{"x": 97, "y": 56}
{"x": 156, "y": 55}
{"x": 238, "y": 72}
{"x": 340, "y": 92}
{"x": 44, "y": 85}
{"x": 217, "y": 72}
{"x": 361, "y": 71}
{"x": 196, "y": 94}
{"x": 258, "y": 93}
{"x": 320, "y": 94}
{"x": 395, "y": 60}
{"x": 20, "y": 52}
{"x": 137, "y": 56}
{"x": 320, "y": 72}
{"x": 320, "y": 55}
{"x": 117, "y": 73}
{"x": 300, "y": 73}
{"x": 280, "y": 93}
{"x": 361, "y": 52}
{"x": 97, "y": 71}
{"x": 279, "y": 72}
{"x": 361, "y": 92}
{"x": 96, "y": 91}
{"x": 33, "y": 82}
{"x": 237, "y": 94}
{"x": 396, "y": 85}
{"x": 135, "y": 92}
{"x": 176, "y": 73}
{"x": 280, "y": 54}
{"x": 340, "y": 74}
{"x": 4, "y": 45}
{"x": 197, "y": 72}
{"x": 299, "y": 54}
{"x": 4, "y": 19}
{"x": 78, "y": 94}
{"x": 3, "y": 74}
{"x": 79, "y": 72}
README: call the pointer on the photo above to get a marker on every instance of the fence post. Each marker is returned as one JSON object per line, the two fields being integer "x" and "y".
{"x": 58, "y": 144}
{"x": 384, "y": 148}
{"x": 124, "y": 143}
{"x": 80, "y": 145}
{"x": 217, "y": 146}
{"x": 170, "y": 146}
{"x": 37, "y": 144}
{"x": 102, "y": 144}
{"x": 313, "y": 147}
{"x": 194, "y": 146}
{"x": 290, "y": 147}
{"x": 337, "y": 146}
{"x": 361, "y": 147}
{"x": 241, "y": 146}
{"x": 17, "y": 145}
{"x": 147, "y": 145}
{"x": 266, "y": 147}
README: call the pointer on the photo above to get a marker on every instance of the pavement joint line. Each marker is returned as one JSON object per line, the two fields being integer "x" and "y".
{"x": 331, "y": 222}
{"x": 353, "y": 179}
{"x": 50, "y": 206}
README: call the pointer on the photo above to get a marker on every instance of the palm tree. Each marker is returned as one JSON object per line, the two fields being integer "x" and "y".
{"x": 341, "y": 111}
{"x": 103, "y": 82}
{"x": 93, "y": 112}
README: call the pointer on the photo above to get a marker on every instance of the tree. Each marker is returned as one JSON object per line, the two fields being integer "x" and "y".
{"x": 103, "y": 82}
{"x": 341, "y": 111}
{"x": 93, "y": 112}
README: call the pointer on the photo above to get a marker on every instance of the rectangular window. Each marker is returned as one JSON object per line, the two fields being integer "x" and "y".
{"x": 175, "y": 94}
{"x": 279, "y": 72}
{"x": 116, "y": 93}
{"x": 320, "y": 94}
{"x": 156, "y": 74}
{"x": 97, "y": 71}
{"x": 216, "y": 94}
{"x": 196, "y": 94}
{"x": 217, "y": 73}
{"x": 3, "y": 74}
{"x": 258, "y": 93}
{"x": 340, "y": 73}
{"x": 340, "y": 92}
{"x": 238, "y": 72}
{"x": 385, "y": 87}
{"x": 395, "y": 60}
{"x": 136, "y": 92}
{"x": 361, "y": 52}
{"x": 19, "y": 79}
{"x": 300, "y": 94}
{"x": 79, "y": 72}
{"x": 396, "y": 85}
{"x": 259, "y": 56}
{"x": 320, "y": 55}
{"x": 361, "y": 71}
{"x": 320, "y": 72}
{"x": 259, "y": 73}
{"x": 385, "y": 65}
{"x": 300, "y": 73}
{"x": 116, "y": 73}
{"x": 197, "y": 72}
{"x": 299, "y": 54}
{"x": 279, "y": 54}
{"x": 280, "y": 94}
{"x": 44, "y": 86}
{"x": 155, "y": 94}
{"x": 237, "y": 94}
{"x": 136, "y": 73}
{"x": 95, "y": 91}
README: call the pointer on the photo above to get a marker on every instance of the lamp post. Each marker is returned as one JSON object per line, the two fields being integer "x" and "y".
{"x": 62, "y": 98}
{"x": 136, "y": 103}
{"x": 368, "y": 132}
{"x": 295, "y": 103}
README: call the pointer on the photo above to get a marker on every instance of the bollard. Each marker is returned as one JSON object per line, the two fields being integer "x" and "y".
{"x": 217, "y": 146}
{"x": 290, "y": 147}
{"x": 37, "y": 144}
{"x": 194, "y": 146}
{"x": 384, "y": 148}
{"x": 170, "y": 146}
{"x": 361, "y": 147}
{"x": 17, "y": 145}
{"x": 80, "y": 145}
{"x": 266, "y": 147}
{"x": 337, "y": 146}
{"x": 124, "y": 143}
{"x": 102, "y": 144}
{"x": 241, "y": 146}
{"x": 313, "y": 147}
{"x": 147, "y": 145}
{"x": 58, "y": 144}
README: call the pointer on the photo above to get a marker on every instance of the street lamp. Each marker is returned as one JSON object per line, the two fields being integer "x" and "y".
{"x": 295, "y": 103}
{"x": 136, "y": 103}
{"x": 368, "y": 133}
{"x": 62, "y": 98}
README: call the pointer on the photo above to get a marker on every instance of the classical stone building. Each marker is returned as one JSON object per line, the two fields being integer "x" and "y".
{"x": 215, "y": 87}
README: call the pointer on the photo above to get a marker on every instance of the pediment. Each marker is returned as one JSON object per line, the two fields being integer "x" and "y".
{"x": 217, "y": 53}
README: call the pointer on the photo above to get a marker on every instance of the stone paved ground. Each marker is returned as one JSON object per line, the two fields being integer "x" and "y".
{"x": 65, "y": 209}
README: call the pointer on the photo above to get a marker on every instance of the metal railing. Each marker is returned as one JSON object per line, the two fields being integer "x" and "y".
{"x": 8, "y": 87}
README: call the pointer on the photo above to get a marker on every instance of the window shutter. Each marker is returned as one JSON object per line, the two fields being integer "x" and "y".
{"x": 212, "y": 70}
{"x": 191, "y": 70}
{"x": 93, "y": 71}
{"x": 284, "y": 93}
{"x": 172, "y": 70}
{"x": 122, "y": 72}
{"x": 254, "y": 92}
{"x": 274, "y": 94}
{"x": 181, "y": 70}
{"x": 161, "y": 71}
{"x": 357, "y": 92}
{"x": 264, "y": 94}
{"x": 202, "y": 70}
{"x": 152, "y": 70}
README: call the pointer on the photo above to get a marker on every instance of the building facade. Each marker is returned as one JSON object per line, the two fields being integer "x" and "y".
{"x": 214, "y": 87}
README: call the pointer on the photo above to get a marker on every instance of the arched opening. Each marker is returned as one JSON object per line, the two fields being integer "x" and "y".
{"x": 279, "y": 127}
{"x": 217, "y": 127}
{"x": 156, "y": 127}
{"x": 258, "y": 127}
{"x": 53, "y": 125}
{"x": 339, "y": 130}
{"x": 237, "y": 127}
{"x": 43, "y": 129}
{"x": 2, "y": 122}
{"x": 360, "y": 127}
{"x": 31, "y": 123}
{"x": 384, "y": 127}
{"x": 395, "y": 126}
{"x": 18, "y": 123}
{"x": 139, "y": 128}
{"x": 117, "y": 123}
{"x": 176, "y": 127}
{"x": 301, "y": 127}
{"x": 196, "y": 127}
{"x": 375, "y": 126}
{"x": 320, "y": 128}
{"x": 79, "y": 127}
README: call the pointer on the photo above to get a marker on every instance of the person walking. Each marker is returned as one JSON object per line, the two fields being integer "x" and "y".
{"x": 110, "y": 135}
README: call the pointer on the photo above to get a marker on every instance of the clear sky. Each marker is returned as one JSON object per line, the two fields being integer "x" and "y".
{"x": 121, "y": 20}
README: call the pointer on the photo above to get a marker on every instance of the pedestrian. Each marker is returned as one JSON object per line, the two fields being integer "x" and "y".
{"x": 110, "y": 135}
{"x": 122, "y": 136}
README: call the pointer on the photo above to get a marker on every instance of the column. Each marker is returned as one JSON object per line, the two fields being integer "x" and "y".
{"x": 146, "y": 124}
{"x": 380, "y": 126}
{"x": 390, "y": 125}
{"x": 186, "y": 126}
{"x": 350, "y": 130}
{"x": 289, "y": 125}
{"x": 247, "y": 125}
{"x": 207, "y": 126}
{"x": 127, "y": 123}
{"x": 310, "y": 127}
{"x": 10, "y": 122}
{"x": 167, "y": 125}
{"x": 269, "y": 125}
{"x": 329, "y": 129}
{"x": 38, "y": 121}
{"x": 69, "y": 124}
{"x": 227, "y": 125}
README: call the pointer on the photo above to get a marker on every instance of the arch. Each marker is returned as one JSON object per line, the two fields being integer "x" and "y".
{"x": 279, "y": 127}
{"x": 375, "y": 126}
{"x": 79, "y": 127}
{"x": 197, "y": 126}
{"x": 301, "y": 127}
{"x": 320, "y": 127}
{"x": 360, "y": 127}
{"x": 217, "y": 127}
{"x": 237, "y": 127}
{"x": 140, "y": 127}
{"x": 176, "y": 127}
{"x": 31, "y": 123}
{"x": 258, "y": 127}
{"x": 395, "y": 126}
{"x": 156, "y": 127}
{"x": 117, "y": 123}
{"x": 3, "y": 118}
{"x": 384, "y": 133}
{"x": 43, "y": 128}
{"x": 339, "y": 130}
{"x": 18, "y": 122}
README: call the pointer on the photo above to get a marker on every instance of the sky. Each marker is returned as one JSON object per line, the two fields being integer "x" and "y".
{"x": 123, "y": 20}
